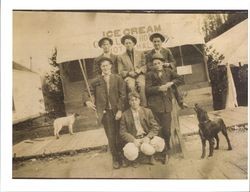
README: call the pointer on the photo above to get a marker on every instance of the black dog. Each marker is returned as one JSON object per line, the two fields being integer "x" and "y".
{"x": 208, "y": 130}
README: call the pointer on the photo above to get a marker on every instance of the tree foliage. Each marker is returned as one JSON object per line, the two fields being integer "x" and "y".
{"x": 216, "y": 24}
{"x": 53, "y": 90}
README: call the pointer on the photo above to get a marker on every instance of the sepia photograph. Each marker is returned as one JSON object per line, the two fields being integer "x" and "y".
{"x": 126, "y": 94}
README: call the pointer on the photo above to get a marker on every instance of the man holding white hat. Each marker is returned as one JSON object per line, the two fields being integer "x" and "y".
{"x": 139, "y": 130}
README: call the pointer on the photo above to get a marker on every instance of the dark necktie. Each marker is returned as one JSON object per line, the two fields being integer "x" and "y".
{"x": 131, "y": 56}
{"x": 106, "y": 79}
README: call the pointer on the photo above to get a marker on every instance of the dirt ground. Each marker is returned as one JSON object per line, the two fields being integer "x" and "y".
{"x": 97, "y": 164}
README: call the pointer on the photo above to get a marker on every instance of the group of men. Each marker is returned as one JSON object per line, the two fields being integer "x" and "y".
{"x": 132, "y": 95}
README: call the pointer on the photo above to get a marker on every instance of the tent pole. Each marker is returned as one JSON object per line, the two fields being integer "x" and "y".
{"x": 182, "y": 63}
{"x": 205, "y": 61}
{"x": 206, "y": 68}
{"x": 87, "y": 86}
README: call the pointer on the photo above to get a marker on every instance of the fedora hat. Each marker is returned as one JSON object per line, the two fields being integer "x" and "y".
{"x": 132, "y": 38}
{"x": 157, "y": 35}
{"x": 103, "y": 39}
{"x": 158, "y": 56}
{"x": 104, "y": 59}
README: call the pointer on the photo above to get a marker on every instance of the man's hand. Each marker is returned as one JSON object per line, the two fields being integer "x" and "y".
{"x": 167, "y": 64}
{"x": 138, "y": 70}
{"x": 144, "y": 69}
{"x": 90, "y": 105}
{"x": 137, "y": 142}
{"x": 183, "y": 105}
{"x": 145, "y": 140}
{"x": 132, "y": 74}
{"x": 118, "y": 115}
{"x": 166, "y": 86}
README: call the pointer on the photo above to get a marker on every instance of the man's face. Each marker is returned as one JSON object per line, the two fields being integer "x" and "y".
{"x": 134, "y": 102}
{"x": 129, "y": 44}
{"x": 157, "y": 43}
{"x": 106, "y": 67}
{"x": 106, "y": 46}
{"x": 158, "y": 64}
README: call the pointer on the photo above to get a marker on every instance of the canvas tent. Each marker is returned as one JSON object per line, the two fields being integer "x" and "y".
{"x": 78, "y": 34}
{"x": 75, "y": 35}
{"x": 27, "y": 100}
{"x": 233, "y": 44}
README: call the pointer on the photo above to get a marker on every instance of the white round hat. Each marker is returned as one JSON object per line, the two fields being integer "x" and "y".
{"x": 158, "y": 143}
{"x": 131, "y": 152}
{"x": 147, "y": 149}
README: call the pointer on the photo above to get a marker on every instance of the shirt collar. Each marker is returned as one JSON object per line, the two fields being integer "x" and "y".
{"x": 107, "y": 54}
{"x": 134, "y": 111}
{"x": 158, "y": 51}
{"x": 129, "y": 52}
{"x": 106, "y": 74}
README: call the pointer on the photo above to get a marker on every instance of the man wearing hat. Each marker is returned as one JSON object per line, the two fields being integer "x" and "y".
{"x": 139, "y": 130}
{"x": 109, "y": 94}
{"x": 132, "y": 67}
{"x": 158, "y": 89}
{"x": 158, "y": 39}
{"x": 105, "y": 43}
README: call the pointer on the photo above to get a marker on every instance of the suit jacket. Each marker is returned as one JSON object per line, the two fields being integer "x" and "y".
{"x": 160, "y": 101}
{"x": 96, "y": 68}
{"x": 147, "y": 120}
{"x": 116, "y": 97}
{"x": 166, "y": 53}
{"x": 125, "y": 64}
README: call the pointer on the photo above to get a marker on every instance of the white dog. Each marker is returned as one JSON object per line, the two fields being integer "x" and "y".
{"x": 59, "y": 123}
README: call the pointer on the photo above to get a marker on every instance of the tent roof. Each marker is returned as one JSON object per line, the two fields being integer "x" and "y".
{"x": 78, "y": 36}
{"x": 19, "y": 67}
{"x": 233, "y": 44}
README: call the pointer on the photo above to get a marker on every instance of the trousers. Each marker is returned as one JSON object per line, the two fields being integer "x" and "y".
{"x": 137, "y": 84}
{"x": 111, "y": 127}
{"x": 164, "y": 119}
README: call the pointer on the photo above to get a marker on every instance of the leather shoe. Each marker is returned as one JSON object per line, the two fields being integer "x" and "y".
{"x": 124, "y": 163}
{"x": 151, "y": 160}
{"x": 116, "y": 165}
{"x": 165, "y": 159}
{"x": 135, "y": 164}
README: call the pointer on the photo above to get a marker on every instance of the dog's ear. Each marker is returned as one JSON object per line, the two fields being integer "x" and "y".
{"x": 76, "y": 114}
{"x": 196, "y": 107}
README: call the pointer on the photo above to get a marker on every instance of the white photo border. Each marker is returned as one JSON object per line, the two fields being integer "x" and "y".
{"x": 9, "y": 184}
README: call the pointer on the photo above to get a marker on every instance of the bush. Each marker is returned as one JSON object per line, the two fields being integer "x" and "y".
{"x": 218, "y": 77}
{"x": 53, "y": 90}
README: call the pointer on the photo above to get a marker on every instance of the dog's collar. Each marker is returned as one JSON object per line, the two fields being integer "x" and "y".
{"x": 205, "y": 121}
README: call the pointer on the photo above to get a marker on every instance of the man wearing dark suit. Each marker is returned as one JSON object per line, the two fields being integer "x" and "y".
{"x": 105, "y": 43}
{"x": 109, "y": 92}
{"x": 169, "y": 62}
{"x": 158, "y": 89}
{"x": 138, "y": 125}
{"x": 132, "y": 67}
